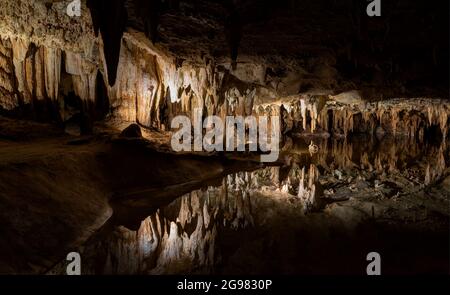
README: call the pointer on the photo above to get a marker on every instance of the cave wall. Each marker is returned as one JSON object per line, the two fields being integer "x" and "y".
{"x": 45, "y": 56}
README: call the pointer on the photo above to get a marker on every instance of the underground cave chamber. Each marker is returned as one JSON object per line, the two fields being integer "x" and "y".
{"x": 86, "y": 162}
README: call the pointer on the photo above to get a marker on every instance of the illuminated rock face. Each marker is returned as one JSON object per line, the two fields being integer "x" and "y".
{"x": 340, "y": 117}
{"x": 29, "y": 74}
{"x": 150, "y": 89}
{"x": 8, "y": 98}
{"x": 190, "y": 67}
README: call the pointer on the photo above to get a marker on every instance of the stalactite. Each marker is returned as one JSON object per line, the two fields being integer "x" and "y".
{"x": 52, "y": 70}
{"x": 149, "y": 11}
{"x": 19, "y": 49}
{"x": 84, "y": 76}
{"x": 233, "y": 32}
{"x": 303, "y": 112}
{"x": 443, "y": 122}
{"x": 336, "y": 120}
{"x": 151, "y": 88}
{"x": 37, "y": 71}
{"x": 314, "y": 115}
{"x": 349, "y": 119}
{"x": 380, "y": 112}
{"x": 430, "y": 113}
{"x": 110, "y": 18}
{"x": 394, "y": 121}
{"x": 398, "y": 117}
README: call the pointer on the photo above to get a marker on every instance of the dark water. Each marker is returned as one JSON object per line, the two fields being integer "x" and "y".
{"x": 320, "y": 212}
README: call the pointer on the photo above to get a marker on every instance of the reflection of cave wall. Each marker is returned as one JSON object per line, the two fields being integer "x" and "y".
{"x": 185, "y": 236}
{"x": 424, "y": 162}
{"x": 181, "y": 237}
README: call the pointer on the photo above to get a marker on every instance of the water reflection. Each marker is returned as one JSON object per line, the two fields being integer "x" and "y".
{"x": 200, "y": 231}
{"x": 390, "y": 155}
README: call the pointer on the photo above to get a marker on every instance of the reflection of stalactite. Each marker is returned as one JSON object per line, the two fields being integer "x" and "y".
{"x": 303, "y": 184}
{"x": 183, "y": 234}
{"x": 307, "y": 190}
{"x": 435, "y": 170}
{"x": 238, "y": 213}
{"x": 391, "y": 157}
{"x": 342, "y": 152}
{"x": 166, "y": 245}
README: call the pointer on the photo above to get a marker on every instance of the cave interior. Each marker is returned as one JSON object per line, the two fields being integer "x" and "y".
{"x": 87, "y": 101}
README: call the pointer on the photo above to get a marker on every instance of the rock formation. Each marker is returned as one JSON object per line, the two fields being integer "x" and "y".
{"x": 150, "y": 79}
